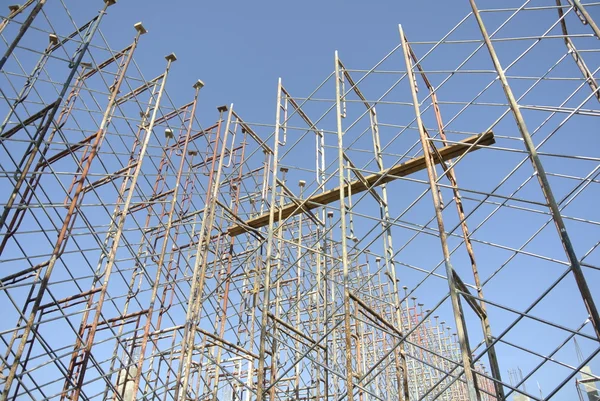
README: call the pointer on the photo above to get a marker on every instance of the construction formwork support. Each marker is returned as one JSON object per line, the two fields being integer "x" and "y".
{"x": 341, "y": 166}
{"x": 179, "y": 262}
{"x": 451, "y": 175}
{"x": 45, "y": 274}
{"x": 268, "y": 264}
{"x": 46, "y": 116}
{"x": 473, "y": 389}
{"x": 24, "y": 27}
{"x": 81, "y": 352}
{"x": 539, "y": 168}
{"x": 201, "y": 261}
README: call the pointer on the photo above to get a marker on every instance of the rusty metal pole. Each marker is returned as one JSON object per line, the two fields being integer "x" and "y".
{"x": 584, "y": 289}
{"x": 260, "y": 385}
{"x": 40, "y": 134}
{"x": 24, "y": 27}
{"x": 200, "y": 267}
{"x": 401, "y": 371}
{"x": 159, "y": 269}
{"x": 87, "y": 159}
{"x": 63, "y": 237}
{"x": 473, "y": 391}
{"x": 451, "y": 175}
{"x": 14, "y": 11}
{"x": 276, "y": 271}
{"x": 234, "y": 207}
{"x": 121, "y": 218}
{"x": 585, "y": 71}
{"x": 586, "y": 17}
{"x": 343, "y": 211}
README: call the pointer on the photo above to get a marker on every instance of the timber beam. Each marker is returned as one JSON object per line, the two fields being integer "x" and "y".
{"x": 446, "y": 153}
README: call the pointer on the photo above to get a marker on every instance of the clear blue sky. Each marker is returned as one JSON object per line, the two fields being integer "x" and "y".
{"x": 239, "y": 49}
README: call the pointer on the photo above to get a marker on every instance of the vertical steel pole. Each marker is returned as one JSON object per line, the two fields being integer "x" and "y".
{"x": 63, "y": 233}
{"x": 587, "y": 17}
{"x": 189, "y": 329}
{"x": 473, "y": 391}
{"x": 14, "y": 11}
{"x": 389, "y": 260}
{"x": 260, "y": 386}
{"x": 347, "y": 325}
{"x": 234, "y": 207}
{"x": 586, "y": 295}
{"x": 279, "y": 253}
{"x": 297, "y": 296}
{"x": 121, "y": 217}
{"x": 451, "y": 175}
{"x": 332, "y": 304}
{"x": 24, "y": 27}
{"x": 40, "y": 134}
{"x": 200, "y": 267}
{"x": 159, "y": 265}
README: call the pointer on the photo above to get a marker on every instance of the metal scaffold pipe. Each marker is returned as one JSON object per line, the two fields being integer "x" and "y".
{"x": 538, "y": 167}
{"x": 312, "y": 256}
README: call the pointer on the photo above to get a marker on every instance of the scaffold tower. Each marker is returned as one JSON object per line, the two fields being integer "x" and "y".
{"x": 425, "y": 228}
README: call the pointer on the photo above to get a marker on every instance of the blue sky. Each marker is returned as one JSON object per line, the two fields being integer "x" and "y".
{"x": 239, "y": 49}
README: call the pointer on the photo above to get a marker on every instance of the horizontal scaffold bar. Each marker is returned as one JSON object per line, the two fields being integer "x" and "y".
{"x": 400, "y": 170}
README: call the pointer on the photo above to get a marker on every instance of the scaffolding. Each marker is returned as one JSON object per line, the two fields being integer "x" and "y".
{"x": 421, "y": 229}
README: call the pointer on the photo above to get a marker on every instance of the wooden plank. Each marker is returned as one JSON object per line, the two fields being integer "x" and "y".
{"x": 391, "y": 174}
